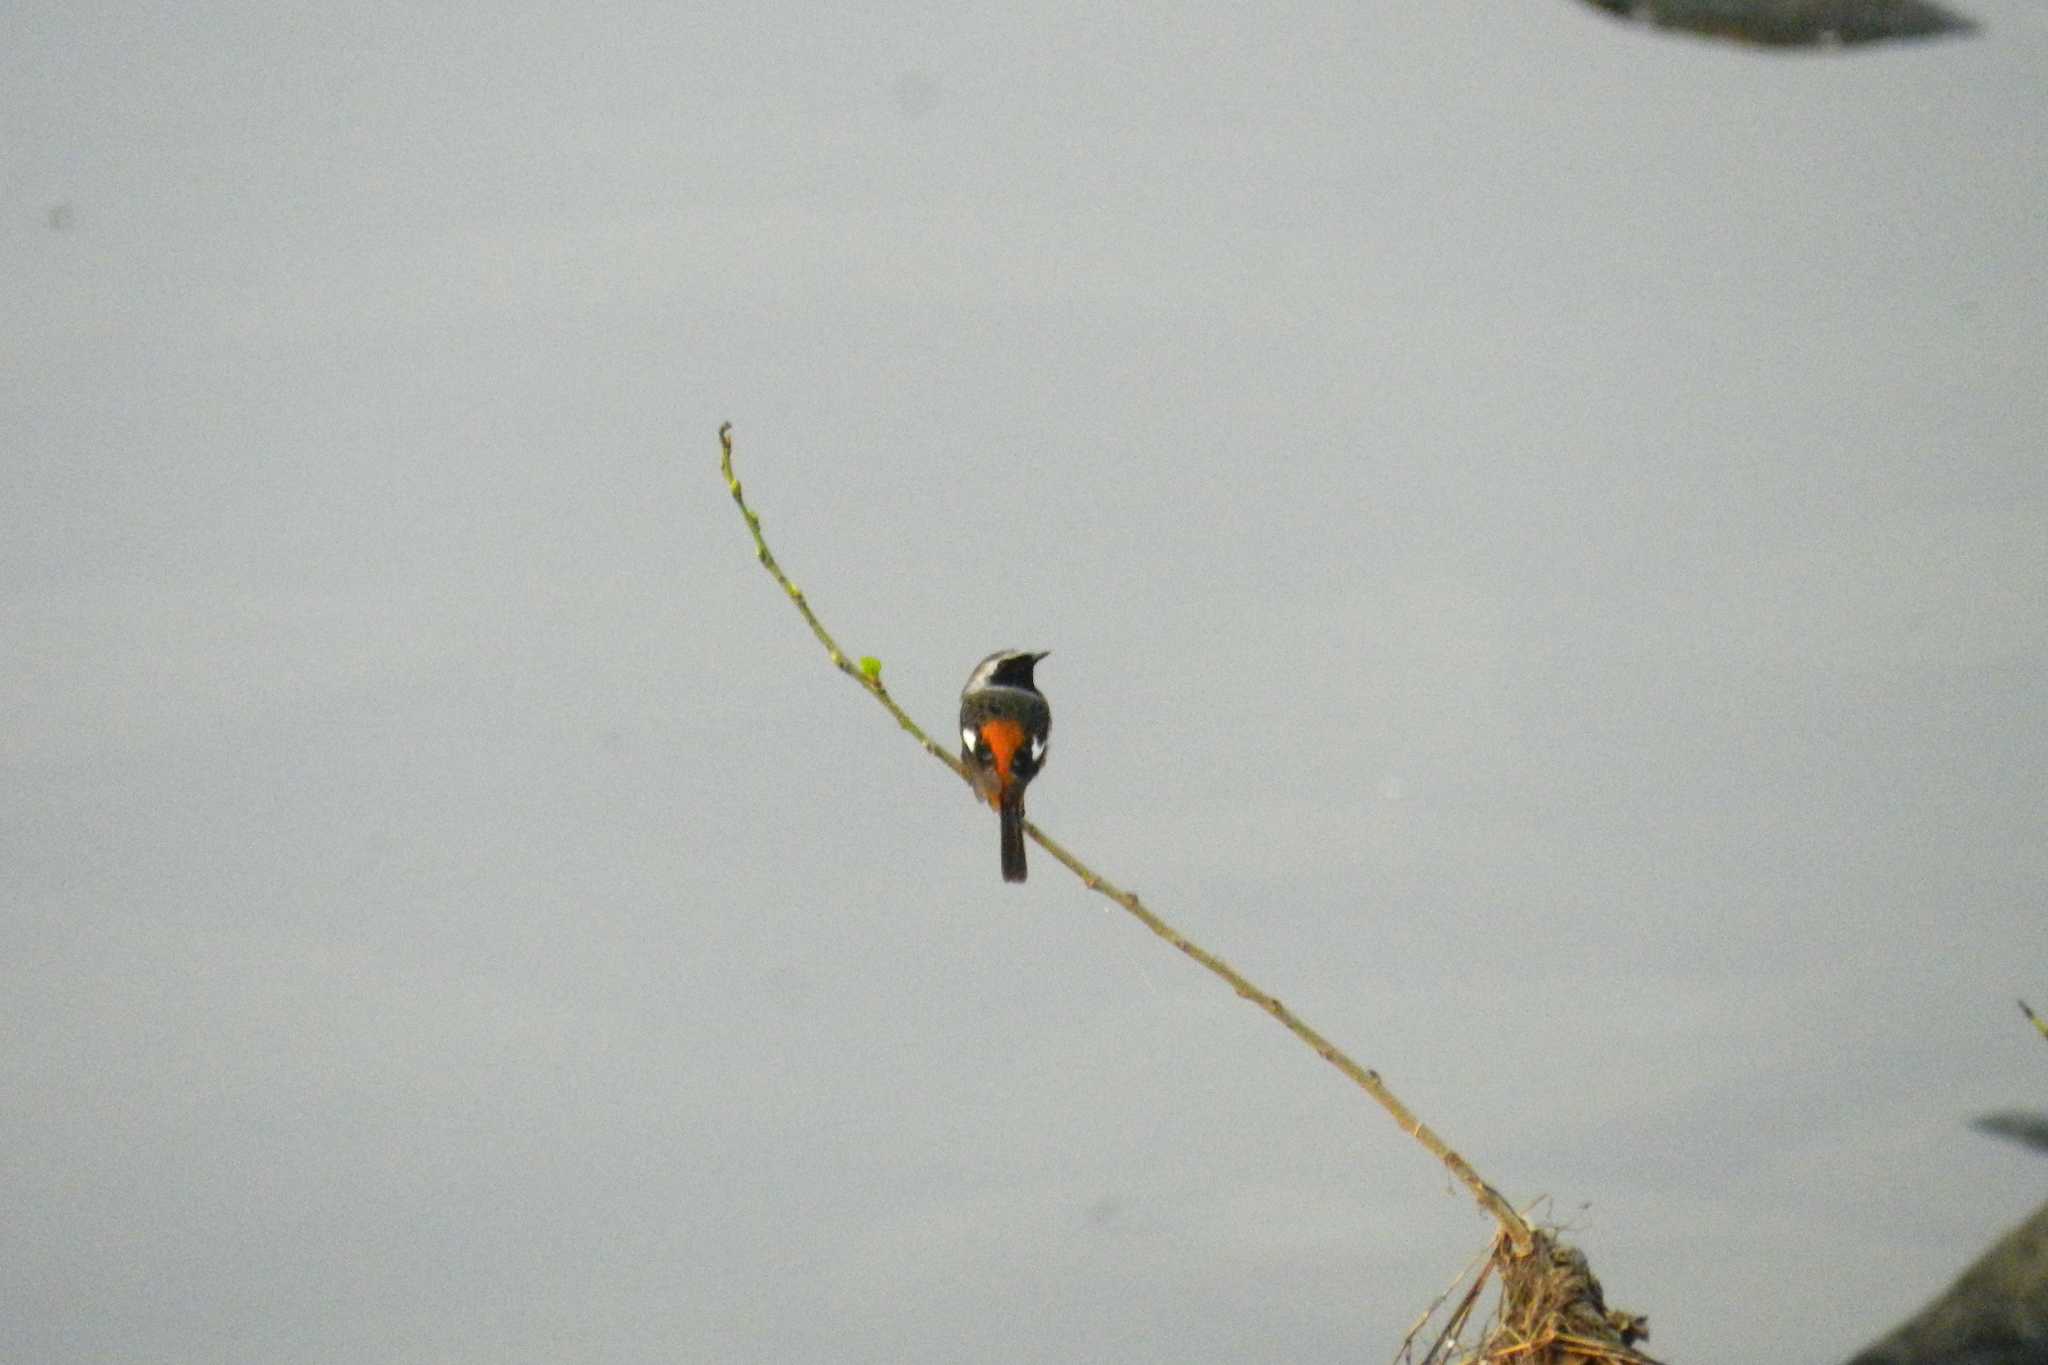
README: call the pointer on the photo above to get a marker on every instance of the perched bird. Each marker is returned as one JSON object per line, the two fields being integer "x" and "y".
{"x": 1004, "y": 726}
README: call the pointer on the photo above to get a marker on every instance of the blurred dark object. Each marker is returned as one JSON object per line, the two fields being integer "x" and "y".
{"x": 1996, "y": 1313}
{"x": 2022, "y": 1127}
{"x": 1797, "y": 23}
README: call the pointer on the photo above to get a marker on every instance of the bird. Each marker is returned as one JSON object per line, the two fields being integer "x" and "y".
{"x": 1005, "y": 724}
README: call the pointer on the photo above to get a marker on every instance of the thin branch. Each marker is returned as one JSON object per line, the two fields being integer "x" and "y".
{"x": 1512, "y": 1224}
{"x": 2036, "y": 1020}
{"x": 868, "y": 678}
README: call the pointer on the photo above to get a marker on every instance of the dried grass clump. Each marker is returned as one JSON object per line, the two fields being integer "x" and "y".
{"x": 1549, "y": 1311}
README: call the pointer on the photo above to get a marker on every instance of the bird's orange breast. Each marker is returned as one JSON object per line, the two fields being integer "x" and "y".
{"x": 1004, "y": 738}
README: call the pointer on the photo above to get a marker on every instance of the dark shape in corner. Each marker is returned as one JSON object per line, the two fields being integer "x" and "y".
{"x": 1797, "y": 23}
{"x": 1992, "y": 1315}
{"x": 2029, "y": 1130}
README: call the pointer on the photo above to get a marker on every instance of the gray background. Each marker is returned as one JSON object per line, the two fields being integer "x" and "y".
{"x": 1544, "y": 534}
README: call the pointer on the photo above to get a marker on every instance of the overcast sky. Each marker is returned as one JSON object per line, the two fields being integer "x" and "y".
{"x": 1542, "y": 528}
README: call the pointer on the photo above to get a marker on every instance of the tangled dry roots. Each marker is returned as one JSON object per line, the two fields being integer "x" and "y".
{"x": 1552, "y": 1311}
{"x": 1549, "y": 1311}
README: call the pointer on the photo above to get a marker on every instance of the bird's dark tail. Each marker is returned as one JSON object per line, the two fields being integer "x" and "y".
{"x": 1011, "y": 813}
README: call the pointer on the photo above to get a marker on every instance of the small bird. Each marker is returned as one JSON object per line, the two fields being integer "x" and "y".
{"x": 1004, "y": 725}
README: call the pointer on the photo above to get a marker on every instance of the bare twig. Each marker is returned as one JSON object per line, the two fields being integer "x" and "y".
{"x": 1512, "y": 1225}
{"x": 868, "y": 678}
{"x": 1458, "y": 1319}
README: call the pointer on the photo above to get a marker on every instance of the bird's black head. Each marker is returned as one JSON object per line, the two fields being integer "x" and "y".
{"x": 1007, "y": 668}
